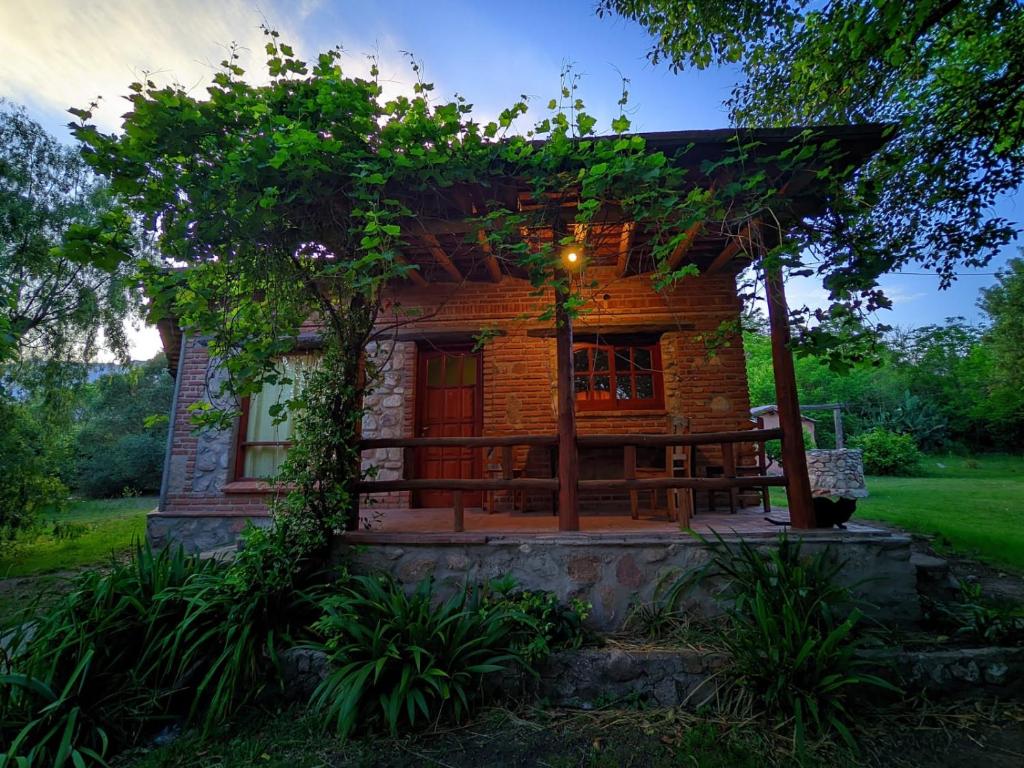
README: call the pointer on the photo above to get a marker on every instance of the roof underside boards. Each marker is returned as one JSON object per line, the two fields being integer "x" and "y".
{"x": 446, "y": 243}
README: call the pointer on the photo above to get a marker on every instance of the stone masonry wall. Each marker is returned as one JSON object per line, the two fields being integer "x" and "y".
{"x": 390, "y": 409}
{"x": 838, "y": 472}
{"x": 611, "y": 572}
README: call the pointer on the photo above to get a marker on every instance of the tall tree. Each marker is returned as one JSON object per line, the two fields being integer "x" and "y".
{"x": 948, "y": 74}
{"x": 1004, "y": 305}
{"x": 58, "y": 288}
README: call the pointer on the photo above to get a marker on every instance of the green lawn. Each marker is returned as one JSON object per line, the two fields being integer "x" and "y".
{"x": 106, "y": 526}
{"x": 977, "y": 504}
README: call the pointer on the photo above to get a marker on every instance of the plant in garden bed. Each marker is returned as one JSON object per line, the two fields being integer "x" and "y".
{"x": 235, "y": 621}
{"x": 973, "y": 618}
{"x": 80, "y": 680}
{"x": 792, "y": 636}
{"x": 542, "y": 623}
{"x": 163, "y": 637}
{"x": 402, "y": 659}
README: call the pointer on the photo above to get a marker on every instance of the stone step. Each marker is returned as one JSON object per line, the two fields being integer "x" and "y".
{"x": 929, "y": 567}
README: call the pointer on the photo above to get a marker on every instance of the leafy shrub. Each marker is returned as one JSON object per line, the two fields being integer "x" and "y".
{"x": 122, "y": 437}
{"x": 29, "y": 483}
{"x": 131, "y": 462}
{"x": 82, "y": 679}
{"x": 234, "y": 622}
{"x": 541, "y": 622}
{"x": 792, "y": 638}
{"x": 401, "y": 658}
{"x": 163, "y": 636}
{"x": 888, "y": 453}
{"x": 65, "y": 531}
{"x": 974, "y": 618}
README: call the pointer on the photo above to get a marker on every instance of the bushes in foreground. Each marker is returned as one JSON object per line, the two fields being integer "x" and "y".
{"x": 792, "y": 635}
{"x": 888, "y": 453}
{"x": 405, "y": 659}
{"x": 85, "y": 677}
{"x": 168, "y": 637}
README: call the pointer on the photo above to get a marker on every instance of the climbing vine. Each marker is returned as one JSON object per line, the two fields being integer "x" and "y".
{"x": 285, "y": 206}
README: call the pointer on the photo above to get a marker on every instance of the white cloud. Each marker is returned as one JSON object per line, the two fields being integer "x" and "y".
{"x": 64, "y": 53}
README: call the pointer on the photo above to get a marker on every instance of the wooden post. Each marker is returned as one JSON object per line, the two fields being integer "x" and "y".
{"x": 837, "y": 417}
{"x": 729, "y": 470}
{"x": 629, "y": 472}
{"x": 794, "y": 459}
{"x": 568, "y": 456}
{"x": 506, "y": 474}
{"x": 459, "y": 510}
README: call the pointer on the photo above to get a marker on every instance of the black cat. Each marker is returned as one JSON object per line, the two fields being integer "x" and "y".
{"x": 828, "y": 513}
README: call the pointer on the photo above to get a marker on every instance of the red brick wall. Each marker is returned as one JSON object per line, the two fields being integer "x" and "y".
{"x": 710, "y": 388}
{"x": 182, "y": 498}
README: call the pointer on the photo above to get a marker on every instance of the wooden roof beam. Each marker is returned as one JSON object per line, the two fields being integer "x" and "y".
{"x": 741, "y": 242}
{"x": 442, "y": 258}
{"x": 684, "y": 245}
{"x": 489, "y": 258}
{"x": 413, "y": 273}
{"x": 625, "y": 244}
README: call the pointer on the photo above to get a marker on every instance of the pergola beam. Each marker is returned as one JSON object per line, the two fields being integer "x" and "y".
{"x": 734, "y": 246}
{"x": 684, "y": 245}
{"x": 441, "y": 257}
{"x": 625, "y": 245}
{"x": 489, "y": 258}
{"x": 413, "y": 273}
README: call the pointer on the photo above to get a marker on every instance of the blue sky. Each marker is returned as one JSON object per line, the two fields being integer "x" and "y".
{"x": 61, "y": 53}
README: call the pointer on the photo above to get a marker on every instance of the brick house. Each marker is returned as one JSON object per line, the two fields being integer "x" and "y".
{"x": 663, "y": 369}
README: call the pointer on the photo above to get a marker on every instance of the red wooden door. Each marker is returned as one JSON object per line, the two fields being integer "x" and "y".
{"x": 449, "y": 404}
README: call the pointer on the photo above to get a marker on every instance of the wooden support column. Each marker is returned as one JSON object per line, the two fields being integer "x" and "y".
{"x": 837, "y": 418}
{"x": 629, "y": 472}
{"x": 794, "y": 460}
{"x": 568, "y": 455}
{"x": 458, "y": 508}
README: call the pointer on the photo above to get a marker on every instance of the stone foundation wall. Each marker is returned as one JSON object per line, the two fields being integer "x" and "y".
{"x": 611, "y": 572}
{"x": 200, "y": 533}
{"x": 838, "y": 472}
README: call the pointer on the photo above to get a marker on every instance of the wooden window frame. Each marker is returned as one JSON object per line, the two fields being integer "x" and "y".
{"x": 614, "y": 404}
{"x": 241, "y": 444}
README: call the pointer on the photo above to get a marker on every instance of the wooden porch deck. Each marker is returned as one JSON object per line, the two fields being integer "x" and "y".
{"x": 747, "y": 521}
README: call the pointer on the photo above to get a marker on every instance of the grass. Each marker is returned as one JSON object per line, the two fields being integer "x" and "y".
{"x": 976, "y": 505}
{"x": 917, "y": 735}
{"x": 99, "y": 527}
{"x": 553, "y": 739}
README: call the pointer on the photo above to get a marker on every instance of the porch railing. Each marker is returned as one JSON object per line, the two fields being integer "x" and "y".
{"x": 730, "y": 480}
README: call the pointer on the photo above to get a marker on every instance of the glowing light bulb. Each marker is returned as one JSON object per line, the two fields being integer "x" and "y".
{"x": 572, "y": 257}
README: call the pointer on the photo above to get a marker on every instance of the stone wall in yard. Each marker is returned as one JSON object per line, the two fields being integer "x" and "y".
{"x": 611, "y": 572}
{"x": 955, "y": 671}
{"x": 838, "y": 472}
{"x": 594, "y": 677}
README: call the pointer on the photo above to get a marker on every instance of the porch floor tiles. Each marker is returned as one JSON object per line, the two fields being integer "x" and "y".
{"x": 382, "y": 524}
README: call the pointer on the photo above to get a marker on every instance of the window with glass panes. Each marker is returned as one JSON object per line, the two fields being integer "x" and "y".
{"x": 617, "y": 376}
{"x": 263, "y": 436}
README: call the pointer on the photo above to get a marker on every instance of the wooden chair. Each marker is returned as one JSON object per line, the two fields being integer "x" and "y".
{"x": 678, "y": 463}
{"x": 501, "y": 467}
